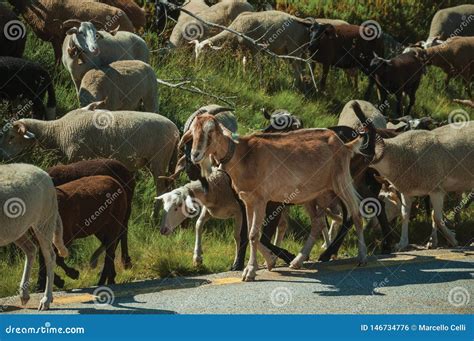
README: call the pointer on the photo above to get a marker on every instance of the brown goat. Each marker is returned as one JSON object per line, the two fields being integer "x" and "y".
{"x": 308, "y": 163}
{"x": 342, "y": 46}
{"x": 399, "y": 75}
{"x": 94, "y": 205}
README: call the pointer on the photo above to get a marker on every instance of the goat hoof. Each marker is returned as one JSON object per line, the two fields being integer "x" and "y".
{"x": 237, "y": 267}
{"x": 249, "y": 274}
{"x": 297, "y": 263}
{"x": 197, "y": 261}
{"x": 127, "y": 263}
{"x": 401, "y": 247}
{"x": 73, "y": 273}
{"x": 362, "y": 263}
{"x": 431, "y": 245}
{"x": 324, "y": 257}
{"x": 24, "y": 298}
{"x": 271, "y": 263}
{"x": 44, "y": 304}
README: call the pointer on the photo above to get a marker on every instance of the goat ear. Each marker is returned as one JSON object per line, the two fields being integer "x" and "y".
{"x": 185, "y": 139}
{"x": 161, "y": 197}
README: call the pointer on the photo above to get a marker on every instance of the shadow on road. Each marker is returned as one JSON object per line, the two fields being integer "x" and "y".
{"x": 383, "y": 273}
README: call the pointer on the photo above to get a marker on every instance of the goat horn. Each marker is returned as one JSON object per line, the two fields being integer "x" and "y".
{"x": 266, "y": 114}
{"x": 185, "y": 139}
{"x": 70, "y": 23}
{"x": 218, "y": 109}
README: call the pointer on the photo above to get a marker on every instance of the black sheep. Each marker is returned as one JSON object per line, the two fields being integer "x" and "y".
{"x": 27, "y": 80}
{"x": 13, "y": 33}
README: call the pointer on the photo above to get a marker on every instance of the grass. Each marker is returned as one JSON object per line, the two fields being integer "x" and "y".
{"x": 154, "y": 255}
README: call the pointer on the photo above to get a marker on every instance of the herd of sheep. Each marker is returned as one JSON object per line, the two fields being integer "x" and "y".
{"x": 117, "y": 130}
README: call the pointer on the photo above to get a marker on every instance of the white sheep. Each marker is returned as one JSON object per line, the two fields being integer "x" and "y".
{"x": 223, "y": 13}
{"x": 219, "y": 201}
{"x": 85, "y": 48}
{"x": 29, "y": 204}
{"x": 136, "y": 139}
{"x": 122, "y": 85}
{"x": 419, "y": 163}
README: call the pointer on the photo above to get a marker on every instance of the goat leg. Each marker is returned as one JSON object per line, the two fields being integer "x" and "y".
{"x": 337, "y": 242}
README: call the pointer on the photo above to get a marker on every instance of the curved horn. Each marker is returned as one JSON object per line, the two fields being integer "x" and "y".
{"x": 218, "y": 109}
{"x": 70, "y": 23}
{"x": 266, "y": 114}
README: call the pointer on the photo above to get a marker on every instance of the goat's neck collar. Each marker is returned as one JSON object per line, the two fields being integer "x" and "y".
{"x": 230, "y": 152}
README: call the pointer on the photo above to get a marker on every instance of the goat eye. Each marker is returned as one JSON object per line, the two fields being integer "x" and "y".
{"x": 97, "y": 36}
{"x": 175, "y": 209}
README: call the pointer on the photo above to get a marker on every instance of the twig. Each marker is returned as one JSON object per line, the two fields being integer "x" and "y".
{"x": 262, "y": 47}
{"x": 196, "y": 90}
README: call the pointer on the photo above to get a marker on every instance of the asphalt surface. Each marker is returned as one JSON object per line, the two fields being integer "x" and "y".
{"x": 425, "y": 282}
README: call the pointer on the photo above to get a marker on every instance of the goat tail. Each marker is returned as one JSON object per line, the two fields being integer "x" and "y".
{"x": 58, "y": 239}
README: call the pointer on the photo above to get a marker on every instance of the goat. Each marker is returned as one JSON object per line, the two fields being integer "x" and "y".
{"x": 342, "y": 46}
{"x": 302, "y": 150}
{"x": 399, "y": 75}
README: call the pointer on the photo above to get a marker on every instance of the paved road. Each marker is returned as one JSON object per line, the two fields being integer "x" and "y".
{"x": 436, "y": 281}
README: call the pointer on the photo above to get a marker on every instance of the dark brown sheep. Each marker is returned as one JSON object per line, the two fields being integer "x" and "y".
{"x": 342, "y": 46}
{"x": 62, "y": 174}
{"x": 13, "y": 33}
{"x": 94, "y": 205}
{"x": 399, "y": 75}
